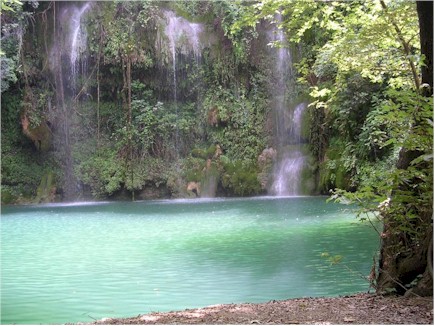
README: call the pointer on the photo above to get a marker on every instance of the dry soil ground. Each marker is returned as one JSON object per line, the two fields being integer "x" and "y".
{"x": 355, "y": 309}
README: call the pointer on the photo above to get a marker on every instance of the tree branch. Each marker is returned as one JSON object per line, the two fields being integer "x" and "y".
{"x": 405, "y": 45}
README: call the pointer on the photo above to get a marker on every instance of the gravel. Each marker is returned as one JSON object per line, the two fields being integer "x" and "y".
{"x": 355, "y": 309}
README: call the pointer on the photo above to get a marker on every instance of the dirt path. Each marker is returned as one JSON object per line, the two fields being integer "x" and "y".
{"x": 355, "y": 309}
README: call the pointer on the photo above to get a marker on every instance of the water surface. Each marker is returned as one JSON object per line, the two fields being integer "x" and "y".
{"x": 71, "y": 263}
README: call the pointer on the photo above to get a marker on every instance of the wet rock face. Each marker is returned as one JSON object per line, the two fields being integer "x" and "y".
{"x": 265, "y": 162}
{"x": 40, "y": 135}
{"x": 46, "y": 192}
{"x": 267, "y": 156}
{"x": 194, "y": 187}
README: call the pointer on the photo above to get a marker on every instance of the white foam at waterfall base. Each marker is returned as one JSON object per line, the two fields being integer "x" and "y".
{"x": 287, "y": 175}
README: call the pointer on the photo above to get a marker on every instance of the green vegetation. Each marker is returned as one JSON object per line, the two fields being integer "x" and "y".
{"x": 372, "y": 127}
{"x": 122, "y": 130}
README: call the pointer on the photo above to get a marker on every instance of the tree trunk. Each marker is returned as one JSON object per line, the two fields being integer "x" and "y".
{"x": 405, "y": 256}
{"x": 425, "y": 19}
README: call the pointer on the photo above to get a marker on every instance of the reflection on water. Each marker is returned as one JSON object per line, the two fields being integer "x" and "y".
{"x": 70, "y": 263}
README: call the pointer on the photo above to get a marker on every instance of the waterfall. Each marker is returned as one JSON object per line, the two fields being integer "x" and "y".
{"x": 287, "y": 174}
{"x": 78, "y": 41}
{"x": 282, "y": 71}
{"x": 291, "y": 160}
{"x": 288, "y": 121}
{"x": 69, "y": 45}
{"x": 174, "y": 72}
{"x": 183, "y": 37}
{"x": 296, "y": 123}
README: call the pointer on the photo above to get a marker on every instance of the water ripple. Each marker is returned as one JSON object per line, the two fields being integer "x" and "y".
{"x": 65, "y": 263}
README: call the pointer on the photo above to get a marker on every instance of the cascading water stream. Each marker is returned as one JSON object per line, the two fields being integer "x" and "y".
{"x": 282, "y": 71}
{"x": 78, "y": 42}
{"x": 288, "y": 170}
{"x": 183, "y": 38}
{"x": 174, "y": 71}
{"x": 290, "y": 159}
{"x": 70, "y": 41}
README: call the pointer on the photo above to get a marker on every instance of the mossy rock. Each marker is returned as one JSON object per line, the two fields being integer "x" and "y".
{"x": 241, "y": 179}
{"x": 333, "y": 175}
{"x": 7, "y": 197}
{"x": 40, "y": 134}
{"x": 306, "y": 125}
{"x": 199, "y": 153}
{"x": 46, "y": 191}
{"x": 210, "y": 180}
{"x": 204, "y": 153}
{"x": 308, "y": 177}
